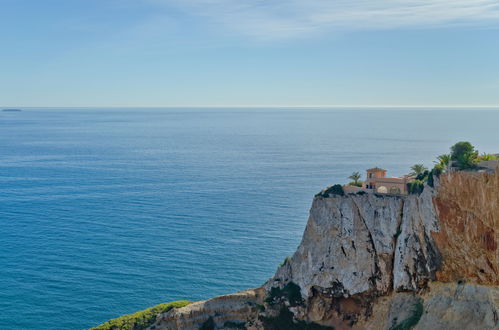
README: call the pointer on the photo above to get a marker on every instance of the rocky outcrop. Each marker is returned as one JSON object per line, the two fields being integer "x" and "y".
{"x": 365, "y": 243}
{"x": 370, "y": 261}
{"x": 236, "y": 309}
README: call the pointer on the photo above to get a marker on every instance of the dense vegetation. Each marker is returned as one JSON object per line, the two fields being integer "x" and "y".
{"x": 290, "y": 292}
{"x": 140, "y": 320}
{"x": 337, "y": 189}
{"x": 463, "y": 156}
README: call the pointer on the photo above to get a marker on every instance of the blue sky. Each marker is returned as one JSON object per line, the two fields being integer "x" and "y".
{"x": 249, "y": 53}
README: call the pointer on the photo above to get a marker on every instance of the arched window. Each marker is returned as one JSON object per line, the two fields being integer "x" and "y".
{"x": 382, "y": 190}
{"x": 395, "y": 190}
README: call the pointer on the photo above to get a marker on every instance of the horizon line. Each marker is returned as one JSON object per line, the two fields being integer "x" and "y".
{"x": 258, "y": 106}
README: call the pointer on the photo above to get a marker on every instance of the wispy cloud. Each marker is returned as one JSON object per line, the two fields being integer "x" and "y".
{"x": 277, "y": 19}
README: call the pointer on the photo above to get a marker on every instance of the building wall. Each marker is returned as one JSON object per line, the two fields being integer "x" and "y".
{"x": 392, "y": 185}
{"x": 352, "y": 189}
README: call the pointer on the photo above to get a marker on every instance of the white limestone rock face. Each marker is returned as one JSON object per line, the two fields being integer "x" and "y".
{"x": 364, "y": 243}
{"x": 416, "y": 256}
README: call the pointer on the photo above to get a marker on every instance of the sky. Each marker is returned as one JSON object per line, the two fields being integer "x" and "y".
{"x": 77, "y": 53}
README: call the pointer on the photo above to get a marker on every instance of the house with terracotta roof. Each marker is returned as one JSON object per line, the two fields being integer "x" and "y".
{"x": 378, "y": 182}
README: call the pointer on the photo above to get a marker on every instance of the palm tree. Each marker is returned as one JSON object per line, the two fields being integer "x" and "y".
{"x": 418, "y": 169}
{"x": 444, "y": 161}
{"x": 355, "y": 177}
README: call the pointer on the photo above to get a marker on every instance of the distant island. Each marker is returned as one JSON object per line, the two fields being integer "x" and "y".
{"x": 11, "y": 110}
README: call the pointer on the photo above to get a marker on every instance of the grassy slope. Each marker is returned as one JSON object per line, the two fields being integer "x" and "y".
{"x": 142, "y": 319}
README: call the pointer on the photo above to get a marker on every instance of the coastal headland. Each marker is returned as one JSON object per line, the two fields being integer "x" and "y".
{"x": 425, "y": 260}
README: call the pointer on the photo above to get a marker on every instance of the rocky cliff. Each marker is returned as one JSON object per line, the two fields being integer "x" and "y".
{"x": 370, "y": 261}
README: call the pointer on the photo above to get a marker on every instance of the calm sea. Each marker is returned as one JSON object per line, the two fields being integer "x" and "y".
{"x": 104, "y": 212}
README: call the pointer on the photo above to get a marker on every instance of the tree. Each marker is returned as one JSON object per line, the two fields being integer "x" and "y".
{"x": 418, "y": 169}
{"x": 355, "y": 177}
{"x": 464, "y": 155}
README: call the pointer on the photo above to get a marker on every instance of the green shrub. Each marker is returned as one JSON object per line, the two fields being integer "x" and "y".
{"x": 356, "y": 184}
{"x": 291, "y": 292}
{"x": 140, "y": 320}
{"x": 423, "y": 176}
{"x": 464, "y": 155}
{"x": 415, "y": 187}
{"x": 412, "y": 320}
{"x": 436, "y": 171}
{"x": 337, "y": 189}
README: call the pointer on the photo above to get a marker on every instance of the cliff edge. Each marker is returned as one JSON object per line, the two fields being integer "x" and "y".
{"x": 369, "y": 261}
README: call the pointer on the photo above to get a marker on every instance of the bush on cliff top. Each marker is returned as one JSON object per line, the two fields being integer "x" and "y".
{"x": 464, "y": 155}
{"x": 140, "y": 320}
{"x": 415, "y": 187}
{"x": 337, "y": 189}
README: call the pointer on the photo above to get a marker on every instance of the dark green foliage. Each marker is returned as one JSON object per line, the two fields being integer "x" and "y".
{"x": 415, "y": 187}
{"x": 337, "y": 189}
{"x": 412, "y": 320}
{"x": 284, "y": 321}
{"x": 291, "y": 292}
{"x": 140, "y": 320}
{"x": 436, "y": 171}
{"x": 209, "y": 324}
{"x": 361, "y": 192}
{"x": 430, "y": 180}
{"x": 356, "y": 184}
{"x": 423, "y": 176}
{"x": 261, "y": 308}
{"x": 234, "y": 325}
{"x": 464, "y": 155}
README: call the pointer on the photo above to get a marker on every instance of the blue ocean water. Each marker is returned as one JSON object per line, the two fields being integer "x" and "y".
{"x": 104, "y": 212}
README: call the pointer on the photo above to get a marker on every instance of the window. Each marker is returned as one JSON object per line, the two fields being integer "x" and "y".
{"x": 394, "y": 190}
{"x": 382, "y": 190}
